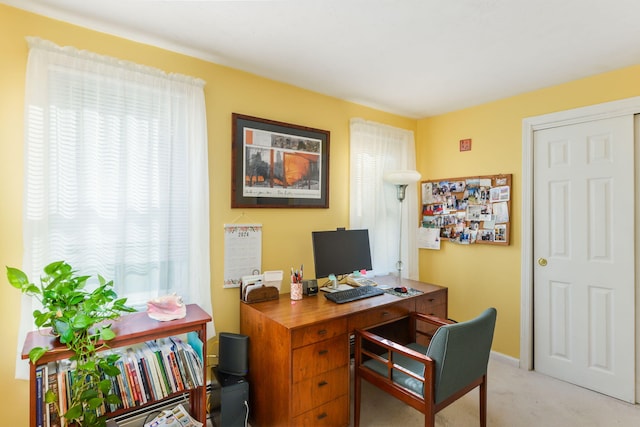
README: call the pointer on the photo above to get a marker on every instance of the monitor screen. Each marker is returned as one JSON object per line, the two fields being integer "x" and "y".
{"x": 341, "y": 252}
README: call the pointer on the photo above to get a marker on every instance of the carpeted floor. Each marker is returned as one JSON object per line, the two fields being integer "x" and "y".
{"x": 516, "y": 398}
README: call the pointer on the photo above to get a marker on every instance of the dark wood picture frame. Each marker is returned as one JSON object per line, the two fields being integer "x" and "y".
{"x": 278, "y": 165}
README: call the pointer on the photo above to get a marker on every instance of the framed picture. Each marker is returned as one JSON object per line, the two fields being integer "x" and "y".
{"x": 278, "y": 165}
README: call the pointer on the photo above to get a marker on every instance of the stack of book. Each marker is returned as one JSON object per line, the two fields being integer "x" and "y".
{"x": 149, "y": 372}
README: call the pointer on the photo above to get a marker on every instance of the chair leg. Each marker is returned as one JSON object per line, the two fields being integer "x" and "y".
{"x": 430, "y": 417}
{"x": 356, "y": 400}
{"x": 483, "y": 402}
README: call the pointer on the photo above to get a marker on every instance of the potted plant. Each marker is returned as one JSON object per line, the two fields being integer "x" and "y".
{"x": 79, "y": 318}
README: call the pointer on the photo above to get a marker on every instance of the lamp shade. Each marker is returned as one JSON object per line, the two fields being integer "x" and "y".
{"x": 402, "y": 177}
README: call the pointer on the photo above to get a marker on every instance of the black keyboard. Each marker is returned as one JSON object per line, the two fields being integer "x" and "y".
{"x": 354, "y": 294}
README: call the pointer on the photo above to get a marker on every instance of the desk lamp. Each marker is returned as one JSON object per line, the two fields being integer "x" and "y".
{"x": 401, "y": 178}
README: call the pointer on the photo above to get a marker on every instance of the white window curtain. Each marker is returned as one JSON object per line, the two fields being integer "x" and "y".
{"x": 116, "y": 175}
{"x": 375, "y": 149}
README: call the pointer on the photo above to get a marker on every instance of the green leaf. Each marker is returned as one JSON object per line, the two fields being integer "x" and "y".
{"x": 104, "y": 386}
{"x": 67, "y": 336}
{"x": 89, "y": 394}
{"x": 74, "y": 412}
{"x": 107, "y": 334}
{"x": 82, "y": 321}
{"x": 112, "y": 358}
{"x": 50, "y": 396}
{"x": 113, "y": 399}
{"x": 36, "y": 353}
{"x": 111, "y": 371}
{"x": 32, "y": 290}
{"x": 17, "y": 278}
{"x": 95, "y": 403}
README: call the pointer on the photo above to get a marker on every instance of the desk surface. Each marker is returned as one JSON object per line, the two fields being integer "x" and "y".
{"x": 313, "y": 309}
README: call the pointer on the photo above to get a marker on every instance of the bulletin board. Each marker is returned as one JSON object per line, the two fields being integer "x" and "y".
{"x": 468, "y": 210}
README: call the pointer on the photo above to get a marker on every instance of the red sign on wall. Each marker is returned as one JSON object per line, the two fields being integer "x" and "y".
{"x": 465, "y": 144}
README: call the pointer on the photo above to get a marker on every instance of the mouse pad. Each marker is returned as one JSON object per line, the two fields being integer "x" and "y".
{"x": 410, "y": 292}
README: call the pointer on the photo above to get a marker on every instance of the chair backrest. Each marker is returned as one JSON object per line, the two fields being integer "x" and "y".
{"x": 461, "y": 353}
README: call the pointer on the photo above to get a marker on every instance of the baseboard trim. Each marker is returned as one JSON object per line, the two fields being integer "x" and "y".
{"x": 505, "y": 359}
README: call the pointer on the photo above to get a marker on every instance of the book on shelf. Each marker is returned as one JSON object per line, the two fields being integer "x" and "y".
{"x": 182, "y": 363}
{"x": 145, "y": 374}
{"x": 52, "y": 384}
{"x": 156, "y": 377}
{"x": 40, "y": 395}
{"x": 134, "y": 373}
{"x": 159, "y": 360}
{"x": 126, "y": 394}
{"x": 164, "y": 353}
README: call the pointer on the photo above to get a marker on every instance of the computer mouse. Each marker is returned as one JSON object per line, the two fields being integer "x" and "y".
{"x": 401, "y": 289}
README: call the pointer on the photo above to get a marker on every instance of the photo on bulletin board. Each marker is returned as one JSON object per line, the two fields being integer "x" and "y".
{"x": 468, "y": 210}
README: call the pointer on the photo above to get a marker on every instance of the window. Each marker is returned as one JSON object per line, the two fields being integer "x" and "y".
{"x": 375, "y": 149}
{"x": 116, "y": 178}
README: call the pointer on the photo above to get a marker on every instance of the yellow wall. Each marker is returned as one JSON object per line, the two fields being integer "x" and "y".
{"x": 491, "y": 276}
{"x": 286, "y": 232}
{"x": 477, "y": 276}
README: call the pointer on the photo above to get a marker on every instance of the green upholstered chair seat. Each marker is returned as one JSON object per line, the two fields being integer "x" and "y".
{"x": 410, "y": 364}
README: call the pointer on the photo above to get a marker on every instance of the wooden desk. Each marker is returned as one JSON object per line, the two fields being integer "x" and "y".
{"x": 299, "y": 351}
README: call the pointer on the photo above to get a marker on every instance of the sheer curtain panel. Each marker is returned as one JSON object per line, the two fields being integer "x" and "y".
{"x": 116, "y": 175}
{"x": 376, "y": 148}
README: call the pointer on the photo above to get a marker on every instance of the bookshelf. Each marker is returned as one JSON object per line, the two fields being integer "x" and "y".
{"x": 131, "y": 330}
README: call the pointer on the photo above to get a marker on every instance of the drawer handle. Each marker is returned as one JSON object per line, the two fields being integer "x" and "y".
{"x": 385, "y": 313}
{"x": 322, "y": 332}
{"x": 432, "y": 299}
{"x": 323, "y": 352}
{"x": 322, "y": 415}
{"x": 322, "y": 383}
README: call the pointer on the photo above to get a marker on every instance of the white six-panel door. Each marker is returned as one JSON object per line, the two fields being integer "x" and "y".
{"x": 584, "y": 276}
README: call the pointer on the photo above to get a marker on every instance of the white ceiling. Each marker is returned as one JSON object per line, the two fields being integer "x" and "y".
{"x": 416, "y": 58}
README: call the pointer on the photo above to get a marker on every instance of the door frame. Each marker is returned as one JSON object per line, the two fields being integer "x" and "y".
{"x": 529, "y": 126}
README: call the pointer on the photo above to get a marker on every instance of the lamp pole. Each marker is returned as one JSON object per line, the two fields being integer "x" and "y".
{"x": 400, "y": 194}
{"x": 401, "y": 179}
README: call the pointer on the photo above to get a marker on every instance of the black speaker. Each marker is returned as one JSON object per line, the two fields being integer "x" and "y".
{"x": 234, "y": 401}
{"x": 233, "y": 354}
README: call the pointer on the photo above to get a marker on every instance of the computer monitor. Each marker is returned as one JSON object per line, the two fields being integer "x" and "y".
{"x": 341, "y": 252}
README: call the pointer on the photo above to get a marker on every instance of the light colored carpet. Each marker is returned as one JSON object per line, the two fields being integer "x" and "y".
{"x": 516, "y": 398}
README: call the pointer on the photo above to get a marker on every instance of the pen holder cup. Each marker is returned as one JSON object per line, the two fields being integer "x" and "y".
{"x": 296, "y": 291}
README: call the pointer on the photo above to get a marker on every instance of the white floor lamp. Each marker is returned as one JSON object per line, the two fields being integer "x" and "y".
{"x": 401, "y": 179}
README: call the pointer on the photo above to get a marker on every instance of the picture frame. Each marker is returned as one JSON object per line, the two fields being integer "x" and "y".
{"x": 278, "y": 165}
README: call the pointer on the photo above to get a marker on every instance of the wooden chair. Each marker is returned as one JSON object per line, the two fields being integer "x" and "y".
{"x": 428, "y": 378}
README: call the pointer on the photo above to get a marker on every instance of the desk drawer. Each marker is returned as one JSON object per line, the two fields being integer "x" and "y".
{"x": 377, "y": 316}
{"x": 433, "y": 304}
{"x": 320, "y": 389}
{"x": 314, "y": 359}
{"x": 318, "y": 332}
{"x": 334, "y": 413}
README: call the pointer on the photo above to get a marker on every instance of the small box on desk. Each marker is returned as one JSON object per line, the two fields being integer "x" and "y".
{"x": 310, "y": 287}
{"x": 261, "y": 287}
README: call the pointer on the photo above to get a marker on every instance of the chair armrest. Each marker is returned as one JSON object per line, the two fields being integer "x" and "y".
{"x": 391, "y": 345}
{"x": 416, "y": 370}
{"x": 437, "y": 321}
